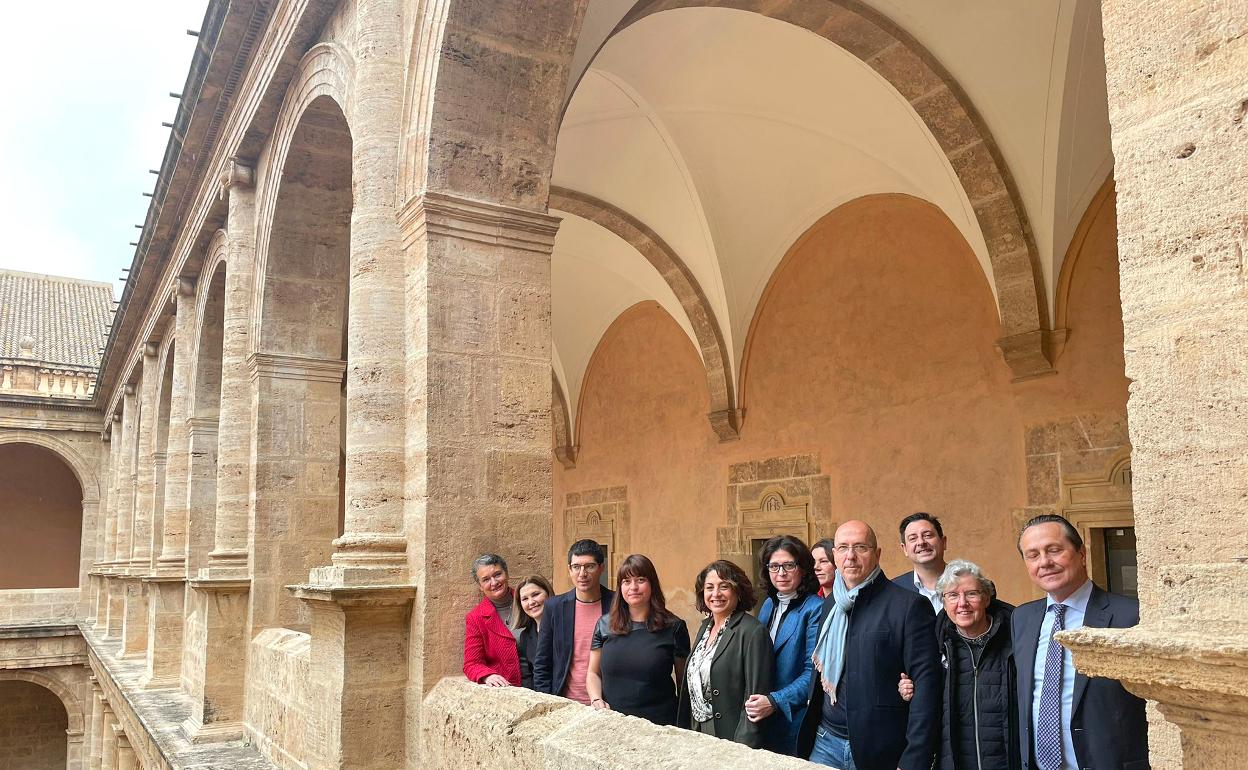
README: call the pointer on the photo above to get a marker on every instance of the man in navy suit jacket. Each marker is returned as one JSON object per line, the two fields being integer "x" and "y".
{"x": 891, "y": 631}
{"x": 923, "y": 542}
{"x": 563, "y": 643}
{"x": 1101, "y": 724}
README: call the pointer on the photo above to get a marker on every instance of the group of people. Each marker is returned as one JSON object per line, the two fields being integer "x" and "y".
{"x": 840, "y": 664}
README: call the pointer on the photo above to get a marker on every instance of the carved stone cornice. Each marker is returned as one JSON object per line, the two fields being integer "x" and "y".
{"x": 280, "y": 366}
{"x": 489, "y": 223}
{"x": 727, "y": 423}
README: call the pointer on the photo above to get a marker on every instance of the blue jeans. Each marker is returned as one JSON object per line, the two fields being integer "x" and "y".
{"x": 831, "y": 751}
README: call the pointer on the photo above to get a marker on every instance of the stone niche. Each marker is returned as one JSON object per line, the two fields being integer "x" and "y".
{"x": 601, "y": 515}
{"x": 1080, "y": 467}
{"x": 775, "y": 496}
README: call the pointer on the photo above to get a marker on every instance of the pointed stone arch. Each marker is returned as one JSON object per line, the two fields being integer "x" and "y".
{"x": 565, "y": 447}
{"x": 724, "y": 416}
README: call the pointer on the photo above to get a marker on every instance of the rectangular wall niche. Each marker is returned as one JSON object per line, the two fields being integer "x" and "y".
{"x": 601, "y": 515}
{"x": 775, "y": 496}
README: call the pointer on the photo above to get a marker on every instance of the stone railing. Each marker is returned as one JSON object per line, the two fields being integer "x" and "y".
{"x": 32, "y": 378}
{"x": 471, "y": 725}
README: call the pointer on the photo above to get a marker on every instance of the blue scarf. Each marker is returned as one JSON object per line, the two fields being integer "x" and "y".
{"x": 829, "y": 654}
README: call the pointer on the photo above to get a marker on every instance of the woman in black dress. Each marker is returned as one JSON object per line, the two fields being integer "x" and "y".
{"x": 526, "y": 617}
{"x": 637, "y": 647}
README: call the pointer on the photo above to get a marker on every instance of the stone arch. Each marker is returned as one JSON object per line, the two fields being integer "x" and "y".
{"x": 1077, "y": 242}
{"x": 565, "y": 449}
{"x": 326, "y": 70}
{"x": 963, "y": 136}
{"x": 724, "y": 415}
{"x": 209, "y": 319}
{"x": 761, "y": 308}
{"x": 74, "y": 707}
{"x": 76, "y": 462}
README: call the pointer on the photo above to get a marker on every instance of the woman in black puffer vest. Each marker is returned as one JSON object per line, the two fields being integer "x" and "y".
{"x": 979, "y": 727}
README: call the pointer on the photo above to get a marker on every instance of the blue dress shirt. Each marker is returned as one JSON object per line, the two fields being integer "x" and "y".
{"x": 933, "y": 596}
{"x": 1076, "y": 608}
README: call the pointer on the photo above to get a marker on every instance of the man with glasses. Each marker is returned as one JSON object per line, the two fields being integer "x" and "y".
{"x": 923, "y": 542}
{"x": 871, "y": 632}
{"x": 568, "y": 626}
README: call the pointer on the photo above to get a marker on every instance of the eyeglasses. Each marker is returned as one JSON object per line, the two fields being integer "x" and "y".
{"x": 786, "y": 567}
{"x": 970, "y": 596}
{"x": 583, "y": 567}
{"x": 862, "y": 549}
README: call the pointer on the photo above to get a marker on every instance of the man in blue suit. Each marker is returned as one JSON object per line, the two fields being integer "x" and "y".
{"x": 923, "y": 542}
{"x": 1068, "y": 721}
{"x": 568, "y": 626}
{"x": 871, "y": 632}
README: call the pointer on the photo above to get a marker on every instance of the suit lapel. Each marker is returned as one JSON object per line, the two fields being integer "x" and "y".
{"x": 730, "y": 629}
{"x": 1098, "y": 615}
{"x": 789, "y": 625}
{"x": 1026, "y": 658}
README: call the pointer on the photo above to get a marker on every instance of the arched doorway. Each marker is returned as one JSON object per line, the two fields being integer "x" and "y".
{"x": 33, "y": 724}
{"x": 40, "y": 519}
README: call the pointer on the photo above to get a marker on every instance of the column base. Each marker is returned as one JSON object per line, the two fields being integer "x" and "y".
{"x": 219, "y": 639}
{"x": 197, "y": 733}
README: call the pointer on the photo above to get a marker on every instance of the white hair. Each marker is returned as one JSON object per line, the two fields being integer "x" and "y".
{"x": 959, "y": 568}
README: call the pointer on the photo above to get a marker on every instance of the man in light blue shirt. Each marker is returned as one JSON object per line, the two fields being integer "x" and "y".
{"x": 1072, "y": 722}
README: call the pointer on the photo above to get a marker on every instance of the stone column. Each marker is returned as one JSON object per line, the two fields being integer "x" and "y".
{"x": 479, "y": 397}
{"x": 220, "y": 591}
{"x": 372, "y": 549}
{"x": 95, "y": 748}
{"x": 126, "y": 759}
{"x": 228, "y": 557}
{"x": 126, "y": 480}
{"x": 108, "y": 749}
{"x": 166, "y": 585}
{"x": 201, "y": 490}
{"x": 1178, "y": 108}
{"x": 73, "y": 749}
{"x": 134, "y": 628}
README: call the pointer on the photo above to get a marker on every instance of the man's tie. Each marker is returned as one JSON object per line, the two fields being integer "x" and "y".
{"x": 1049, "y": 722}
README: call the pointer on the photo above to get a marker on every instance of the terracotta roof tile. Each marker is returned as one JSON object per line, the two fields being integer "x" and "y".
{"x": 64, "y": 316}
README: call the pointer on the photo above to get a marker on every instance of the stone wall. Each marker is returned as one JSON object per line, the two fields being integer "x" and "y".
{"x": 470, "y": 725}
{"x": 32, "y": 727}
{"x": 40, "y": 519}
{"x": 279, "y": 711}
{"x": 38, "y": 605}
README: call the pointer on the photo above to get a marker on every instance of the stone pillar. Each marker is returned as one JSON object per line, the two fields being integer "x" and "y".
{"x": 123, "y": 541}
{"x": 145, "y": 465}
{"x": 479, "y": 397}
{"x": 167, "y": 584}
{"x": 359, "y": 675}
{"x": 108, "y": 749}
{"x": 99, "y": 704}
{"x": 228, "y": 557}
{"x": 73, "y": 749}
{"x": 126, "y": 758}
{"x": 220, "y": 592}
{"x": 372, "y": 549}
{"x": 201, "y": 490}
{"x": 1178, "y": 110}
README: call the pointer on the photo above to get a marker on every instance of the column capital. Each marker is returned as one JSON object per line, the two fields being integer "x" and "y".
{"x": 489, "y": 223}
{"x": 355, "y": 596}
{"x": 235, "y": 173}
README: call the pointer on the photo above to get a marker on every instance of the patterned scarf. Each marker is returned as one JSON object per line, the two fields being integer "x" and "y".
{"x": 829, "y": 654}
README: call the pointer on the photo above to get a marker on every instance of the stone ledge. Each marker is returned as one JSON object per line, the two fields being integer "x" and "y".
{"x": 471, "y": 725}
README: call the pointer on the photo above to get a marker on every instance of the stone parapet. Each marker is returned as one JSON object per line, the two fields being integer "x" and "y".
{"x": 471, "y": 725}
{"x": 42, "y": 605}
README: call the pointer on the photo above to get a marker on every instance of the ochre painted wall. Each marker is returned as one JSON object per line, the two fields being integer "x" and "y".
{"x": 40, "y": 519}
{"x": 874, "y": 348}
{"x": 32, "y": 727}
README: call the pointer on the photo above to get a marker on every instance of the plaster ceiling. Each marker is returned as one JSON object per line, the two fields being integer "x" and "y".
{"x": 729, "y": 135}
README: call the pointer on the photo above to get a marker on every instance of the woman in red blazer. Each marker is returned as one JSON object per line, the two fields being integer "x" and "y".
{"x": 490, "y": 654}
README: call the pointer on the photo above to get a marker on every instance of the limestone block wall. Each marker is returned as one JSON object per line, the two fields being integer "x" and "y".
{"x": 278, "y": 704}
{"x": 32, "y": 727}
{"x": 38, "y": 604}
{"x": 470, "y": 725}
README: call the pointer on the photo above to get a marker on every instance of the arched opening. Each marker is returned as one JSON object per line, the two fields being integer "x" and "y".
{"x": 301, "y": 365}
{"x": 33, "y": 722}
{"x": 201, "y": 492}
{"x": 40, "y": 519}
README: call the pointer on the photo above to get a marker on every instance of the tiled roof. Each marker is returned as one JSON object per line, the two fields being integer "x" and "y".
{"x": 64, "y": 316}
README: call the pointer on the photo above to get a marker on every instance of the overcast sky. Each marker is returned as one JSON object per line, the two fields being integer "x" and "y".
{"x": 88, "y": 88}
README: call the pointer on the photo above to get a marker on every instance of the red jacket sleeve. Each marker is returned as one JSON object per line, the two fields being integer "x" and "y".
{"x": 475, "y": 667}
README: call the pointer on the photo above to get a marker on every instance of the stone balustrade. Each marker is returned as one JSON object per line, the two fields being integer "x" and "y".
{"x": 31, "y": 378}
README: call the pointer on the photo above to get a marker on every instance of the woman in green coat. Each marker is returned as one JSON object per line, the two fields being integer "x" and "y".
{"x": 731, "y": 657}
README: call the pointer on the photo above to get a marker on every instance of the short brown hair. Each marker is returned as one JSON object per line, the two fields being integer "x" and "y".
{"x": 732, "y": 575}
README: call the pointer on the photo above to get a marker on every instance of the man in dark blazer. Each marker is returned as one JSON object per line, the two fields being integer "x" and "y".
{"x": 1070, "y": 721}
{"x": 890, "y": 631}
{"x": 568, "y": 625}
{"x": 923, "y": 542}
